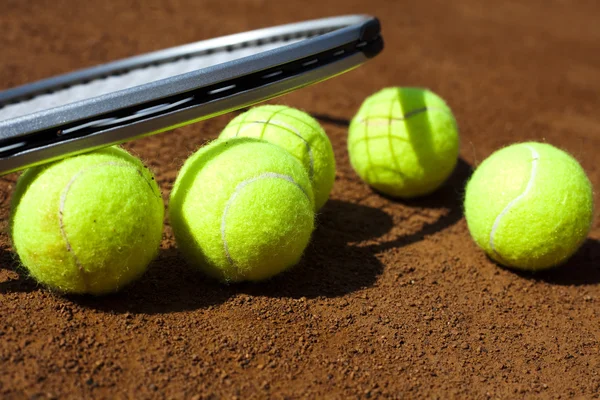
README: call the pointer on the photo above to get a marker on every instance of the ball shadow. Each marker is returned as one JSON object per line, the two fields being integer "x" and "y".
{"x": 23, "y": 283}
{"x": 168, "y": 286}
{"x": 335, "y": 263}
{"x": 581, "y": 269}
{"x": 449, "y": 196}
{"x": 332, "y": 267}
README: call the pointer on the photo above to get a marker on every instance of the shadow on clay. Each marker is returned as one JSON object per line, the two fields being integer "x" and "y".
{"x": 330, "y": 267}
{"x": 333, "y": 266}
{"x": 169, "y": 285}
{"x": 449, "y": 196}
{"x": 20, "y": 282}
{"x": 581, "y": 269}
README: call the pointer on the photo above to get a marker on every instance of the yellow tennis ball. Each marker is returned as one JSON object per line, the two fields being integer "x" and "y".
{"x": 404, "y": 142}
{"x": 299, "y": 134}
{"x": 87, "y": 224}
{"x": 242, "y": 210}
{"x": 529, "y": 206}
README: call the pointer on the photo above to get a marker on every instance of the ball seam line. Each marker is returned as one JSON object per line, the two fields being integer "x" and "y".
{"x": 289, "y": 128}
{"x": 320, "y": 131}
{"x": 237, "y": 190}
{"x": 272, "y": 116}
{"x": 244, "y": 117}
{"x": 306, "y": 123}
{"x": 513, "y": 202}
{"x": 61, "y": 209}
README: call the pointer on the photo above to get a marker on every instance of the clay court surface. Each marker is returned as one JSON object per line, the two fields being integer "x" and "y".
{"x": 392, "y": 298}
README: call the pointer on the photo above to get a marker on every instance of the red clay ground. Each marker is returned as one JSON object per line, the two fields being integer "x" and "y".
{"x": 392, "y": 299}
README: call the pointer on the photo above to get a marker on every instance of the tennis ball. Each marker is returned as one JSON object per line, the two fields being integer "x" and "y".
{"x": 87, "y": 224}
{"x": 529, "y": 206}
{"x": 299, "y": 134}
{"x": 403, "y": 142}
{"x": 242, "y": 210}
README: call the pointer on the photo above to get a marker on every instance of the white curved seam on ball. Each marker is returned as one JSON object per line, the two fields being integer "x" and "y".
{"x": 238, "y": 189}
{"x": 386, "y": 120}
{"x": 63, "y": 199}
{"x": 511, "y": 204}
{"x": 282, "y": 124}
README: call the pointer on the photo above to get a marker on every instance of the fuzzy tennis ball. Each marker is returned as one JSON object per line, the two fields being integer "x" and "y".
{"x": 87, "y": 224}
{"x": 529, "y": 206}
{"x": 403, "y": 142}
{"x": 242, "y": 210}
{"x": 299, "y": 134}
